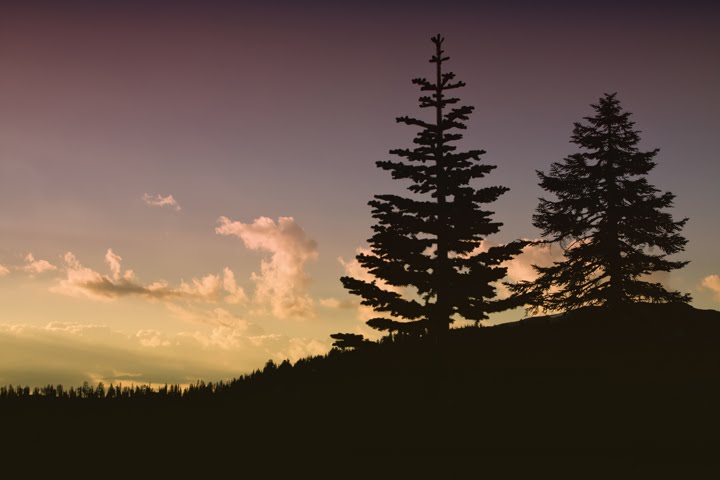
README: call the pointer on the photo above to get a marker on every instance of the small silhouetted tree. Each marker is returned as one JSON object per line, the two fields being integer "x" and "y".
{"x": 609, "y": 221}
{"x": 346, "y": 341}
{"x": 427, "y": 243}
{"x": 100, "y": 391}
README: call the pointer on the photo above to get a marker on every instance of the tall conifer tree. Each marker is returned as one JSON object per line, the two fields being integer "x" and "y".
{"x": 427, "y": 242}
{"x": 608, "y": 219}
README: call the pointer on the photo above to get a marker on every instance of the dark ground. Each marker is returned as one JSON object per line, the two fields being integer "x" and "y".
{"x": 587, "y": 390}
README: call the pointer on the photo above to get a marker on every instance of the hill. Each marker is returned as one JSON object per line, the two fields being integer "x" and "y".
{"x": 642, "y": 383}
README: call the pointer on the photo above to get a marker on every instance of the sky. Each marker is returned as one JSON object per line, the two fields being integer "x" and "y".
{"x": 182, "y": 184}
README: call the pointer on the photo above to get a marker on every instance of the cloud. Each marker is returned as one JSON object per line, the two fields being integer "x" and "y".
{"x": 282, "y": 282}
{"x": 81, "y": 281}
{"x": 236, "y": 294}
{"x": 36, "y": 266}
{"x": 207, "y": 287}
{"x": 160, "y": 201}
{"x": 114, "y": 262}
{"x": 521, "y": 268}
{"x": 336, "y": 303}
{"x": 353, "y": 269}
{"x": 151, "y": 338}
{"x": 3, "y": 271}
{"x": 218, "y": 317}
{"x": 70, "y": 353}
{"x": 518, "y": 268}
{"x": 712, "y": 283}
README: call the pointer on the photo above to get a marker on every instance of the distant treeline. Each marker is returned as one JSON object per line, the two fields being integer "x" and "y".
{"x": 200, "y": 389}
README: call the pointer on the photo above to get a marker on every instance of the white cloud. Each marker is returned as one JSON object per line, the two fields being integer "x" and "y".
{"x": 81, "y": 281}
{"x": 521, "y": 268}
{"x": 712, "y": 283}
{"x": 160, "y": 201}
{"x": 236, "y": 294}
{"x": 113, "y": 262}
{"x": 282, "y": 282}
{"x": 3, "y": 271}
{"x": 36, "y": 266}
{"x": 207, "y": 287}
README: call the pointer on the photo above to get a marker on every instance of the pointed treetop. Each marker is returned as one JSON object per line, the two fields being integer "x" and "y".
{"x": 438, "y": 41}
{"x": 609, "y": 105}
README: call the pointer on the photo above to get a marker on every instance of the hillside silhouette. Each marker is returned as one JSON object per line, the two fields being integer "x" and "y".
{"x": 644, "y": 381}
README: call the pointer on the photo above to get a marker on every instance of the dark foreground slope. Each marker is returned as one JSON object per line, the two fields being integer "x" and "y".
{"x": 645, "y": 383}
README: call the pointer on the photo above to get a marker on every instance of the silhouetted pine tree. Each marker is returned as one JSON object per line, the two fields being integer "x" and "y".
{"x": 428, "y": 241}
{"x": 607, "y": 218}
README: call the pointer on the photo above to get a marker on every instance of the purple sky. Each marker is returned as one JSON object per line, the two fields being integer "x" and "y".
{"x": 278, "y": 110}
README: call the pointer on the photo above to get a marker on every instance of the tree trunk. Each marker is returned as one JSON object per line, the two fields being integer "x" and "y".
{"x": 440, "y": 323}
{"x": 614, "y": 297}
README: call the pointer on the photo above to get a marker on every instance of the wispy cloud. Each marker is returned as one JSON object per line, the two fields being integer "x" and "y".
{"x": 114, "y": 262}
{"x": 236, "y": 294}
{"x": 3, "y": 271}
{"x": 282, "y": 282}
{"x": 217, "y": 317}
{"x": 712, "y": 283}
{"x": 101, "y": 353}
{"x": 336, "y": 303}
{"x": 36, "y": 266}
{"x": 81, "y": 281}
{"x": 158, "y": 200}
{"x": 521, "y": 268}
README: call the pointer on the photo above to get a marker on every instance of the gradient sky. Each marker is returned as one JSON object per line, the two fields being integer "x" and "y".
{"x": 224, "y": 153}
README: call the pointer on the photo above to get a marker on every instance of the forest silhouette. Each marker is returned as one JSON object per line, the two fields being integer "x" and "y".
{"x": 615, "y": 363}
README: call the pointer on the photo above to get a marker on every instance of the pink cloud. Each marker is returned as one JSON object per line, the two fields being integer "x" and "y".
{"x": 160, "y": 201}
{"x": 282, "y": 282}
{"x": 712, "y": 283}
{"x": 85, "y": 282}
{"x": 36, "y": 266}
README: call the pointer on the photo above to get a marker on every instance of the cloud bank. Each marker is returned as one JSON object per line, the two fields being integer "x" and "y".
{"x": 70, "y": 353}
{"x": 282, "y": 283}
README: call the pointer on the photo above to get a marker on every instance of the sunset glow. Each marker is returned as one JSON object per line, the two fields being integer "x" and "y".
{"x": 182, "y": 187}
